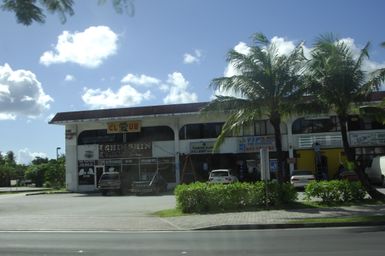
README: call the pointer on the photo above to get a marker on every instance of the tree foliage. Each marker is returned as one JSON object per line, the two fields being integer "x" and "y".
{"x": 9, "y": 169}
{"x": 41, "y": 171}
{"x": 48, "y": 173}
{"x": 337, "y": 82}
{"x": 268, "y": 84}
{"x": 30, "y": 11}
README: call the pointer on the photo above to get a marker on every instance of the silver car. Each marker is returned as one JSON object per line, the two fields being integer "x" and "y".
{"x": 223, "y": 176}
{"x": 300, "y": 178}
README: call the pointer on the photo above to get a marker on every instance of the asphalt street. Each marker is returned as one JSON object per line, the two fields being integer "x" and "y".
{"x": 83, "y": 212}
{"x": 327, "y": 241}
{"x": 93, "y": 212}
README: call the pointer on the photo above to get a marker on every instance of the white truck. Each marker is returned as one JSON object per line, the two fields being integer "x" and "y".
{"x": 376, "y": 171}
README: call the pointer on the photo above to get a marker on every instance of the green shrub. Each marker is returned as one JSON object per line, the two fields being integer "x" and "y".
{"x": 335, "y": 191}
{"x": 203, "y": 197}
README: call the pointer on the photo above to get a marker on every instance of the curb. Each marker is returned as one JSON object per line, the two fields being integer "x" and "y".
{"x": 45, "y": 193}
{"x": 23, "y": 191}
{"x": 292, "y": 225}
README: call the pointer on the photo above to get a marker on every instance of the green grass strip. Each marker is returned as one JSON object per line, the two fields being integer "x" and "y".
{"x": 347, "y": 219}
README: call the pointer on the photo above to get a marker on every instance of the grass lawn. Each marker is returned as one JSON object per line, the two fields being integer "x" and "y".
{"x": 175, "y": 212}
{"x": 348, "y": 219}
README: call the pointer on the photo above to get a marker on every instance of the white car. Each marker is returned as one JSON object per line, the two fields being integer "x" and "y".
{"x": 300, "y": 178}
{"x": 223, "y": 176}
{"x": 376, "y": 171}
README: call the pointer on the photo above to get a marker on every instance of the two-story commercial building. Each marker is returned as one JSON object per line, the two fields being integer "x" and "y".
{"x": 178, "y": 141}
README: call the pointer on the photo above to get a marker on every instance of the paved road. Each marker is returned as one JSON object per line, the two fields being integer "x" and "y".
{"x": 83, "y": 212}
{"x": 79, "y": 212}
{"x": 341, "y": 241}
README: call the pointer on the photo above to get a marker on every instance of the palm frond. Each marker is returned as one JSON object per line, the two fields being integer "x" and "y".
{"x": 260, "y": 38}
{"x": 364, "y": 54}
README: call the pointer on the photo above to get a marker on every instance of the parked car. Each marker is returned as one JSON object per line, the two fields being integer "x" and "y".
{"x": 300, "y": 178}
{"x": 223, "y": 176}
{"x": 376, "y": 171}
{"x": 110, "y": 182}
{"x": 152, "y": 184}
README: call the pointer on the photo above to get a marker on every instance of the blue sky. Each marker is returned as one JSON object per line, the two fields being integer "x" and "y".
{"x": 168, "y": 52}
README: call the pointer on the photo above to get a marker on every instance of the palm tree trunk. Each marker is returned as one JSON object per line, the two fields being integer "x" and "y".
{"x": 275, "y": 121}
{"x": 372, "y": 191}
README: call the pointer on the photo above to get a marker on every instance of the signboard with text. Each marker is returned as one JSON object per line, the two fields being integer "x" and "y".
{"x": 367, "y": 139}
{"x": 203, "y": 147}
{"x": 255, "y": 143}
{"x": 139, "y": 149}
{"x": 124, "y": 127}
{"x": 86, "y": 172}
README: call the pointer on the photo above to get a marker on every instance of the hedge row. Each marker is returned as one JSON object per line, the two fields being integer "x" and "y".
{"x": 335, "y": 191}
{"x": 203, "y": 197}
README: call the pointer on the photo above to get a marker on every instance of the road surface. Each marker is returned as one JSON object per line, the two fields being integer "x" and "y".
{"x": 341, "y": 241}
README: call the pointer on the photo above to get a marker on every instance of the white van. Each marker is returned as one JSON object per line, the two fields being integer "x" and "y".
{"x": 376, "y": 172}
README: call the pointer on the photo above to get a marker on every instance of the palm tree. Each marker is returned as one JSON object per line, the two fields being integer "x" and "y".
{"x": 28, "y": 11}
{"x": 337, "y": 81}
{"x": 267, "y": 85}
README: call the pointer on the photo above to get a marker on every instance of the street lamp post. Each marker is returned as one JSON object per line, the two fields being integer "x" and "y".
{"x": 57, "y": 153}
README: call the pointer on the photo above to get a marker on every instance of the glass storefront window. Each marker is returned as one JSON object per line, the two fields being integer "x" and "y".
{"x": 155, "y": 133}
{"x": 317, "y": 125}
{"x": 200, "y": 131}
{"x": 356, "y": 123}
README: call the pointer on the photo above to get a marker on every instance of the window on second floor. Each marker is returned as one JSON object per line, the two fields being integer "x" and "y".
{"x": 318, "y": 125}
{"x": 200, "y": 131}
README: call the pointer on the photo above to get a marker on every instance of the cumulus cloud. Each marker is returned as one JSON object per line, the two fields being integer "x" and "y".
{"x": 195, "y": 57}
{"x": 69, "y": 78}
{"x": 125, "y": 96}
{"x": 177, "y": 87}
{"x": 230, "y": 70}
{"x": 88, "y": 48}
{"x": 367, "y": 65}
{"x": 25, "y": 156}
{"x": 21, "y": 94}
{"x": 140, "y": 80}
{"x": 136, "y": 89}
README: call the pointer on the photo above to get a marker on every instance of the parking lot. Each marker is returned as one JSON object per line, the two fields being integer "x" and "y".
{"x": 82, "y": 212}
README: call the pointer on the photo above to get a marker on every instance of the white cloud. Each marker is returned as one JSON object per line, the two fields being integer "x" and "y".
{"x": 367, "y": 65}
{"x": 25, "y": 156}
{"x": 88, "y": 48}
{"x": 283, "y": 47}
{"x": 129, "y": 94}
{"x": 69, "y": 78}
{"x": 5, "y": 116}
{"x": 189, "y": 58}
{"x": 177, "y": 86}
{"x": 21, "y": 94}
{"x": 140, "y": 80}
{"x": 126, "y": 96}
{"x": 243, "y": 48}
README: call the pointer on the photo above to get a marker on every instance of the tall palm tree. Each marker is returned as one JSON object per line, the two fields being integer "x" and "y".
{"x": 337, "y": 81}
{"x": 267, "y": 84}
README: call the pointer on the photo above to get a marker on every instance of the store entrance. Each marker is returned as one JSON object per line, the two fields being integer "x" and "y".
{"x": 99, "y": 170}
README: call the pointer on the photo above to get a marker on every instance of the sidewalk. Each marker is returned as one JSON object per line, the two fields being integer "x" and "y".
{"x": 271, "y": 219}
{"x": 21, "y": 189}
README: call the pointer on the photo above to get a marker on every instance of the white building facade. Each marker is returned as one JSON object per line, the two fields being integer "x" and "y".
{"x": 177, "y": 140}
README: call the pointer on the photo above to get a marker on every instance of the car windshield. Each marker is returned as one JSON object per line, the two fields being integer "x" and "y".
{"x": 302, "y": 172}
{"x": 219, "y": 174}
